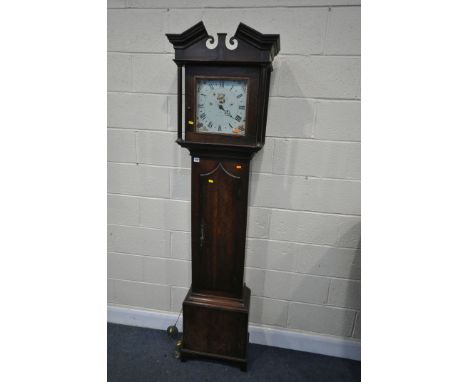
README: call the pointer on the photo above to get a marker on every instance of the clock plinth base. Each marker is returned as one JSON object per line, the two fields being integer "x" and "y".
{"x": 216, "y": 327}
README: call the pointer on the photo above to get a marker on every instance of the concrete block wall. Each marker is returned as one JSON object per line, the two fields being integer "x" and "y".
{"x": 303, "y": 256}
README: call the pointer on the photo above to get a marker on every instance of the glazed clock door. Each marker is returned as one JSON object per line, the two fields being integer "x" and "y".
{"x": 219, "y": 226}
{"x": 222, "y": 105}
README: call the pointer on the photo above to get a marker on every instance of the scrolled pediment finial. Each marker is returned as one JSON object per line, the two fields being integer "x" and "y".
{"x": 246, "y": 45}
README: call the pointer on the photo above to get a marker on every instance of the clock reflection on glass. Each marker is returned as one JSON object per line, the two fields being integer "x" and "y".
{"x": 221, "y": 106}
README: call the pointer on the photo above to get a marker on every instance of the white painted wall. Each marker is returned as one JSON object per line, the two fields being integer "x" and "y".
{"x": 303, "y": 257}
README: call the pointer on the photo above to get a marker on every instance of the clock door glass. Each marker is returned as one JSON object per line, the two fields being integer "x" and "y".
{"x": 221, "y": 106}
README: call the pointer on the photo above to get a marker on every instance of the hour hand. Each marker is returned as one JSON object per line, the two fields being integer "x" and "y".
{"x": 221, "y": 107}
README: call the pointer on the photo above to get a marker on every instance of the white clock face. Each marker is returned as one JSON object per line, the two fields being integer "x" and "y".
{"x": 221, "y": 106}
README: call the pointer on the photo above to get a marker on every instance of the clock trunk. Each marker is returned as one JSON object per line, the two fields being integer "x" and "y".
{"x": 219, "y": 218}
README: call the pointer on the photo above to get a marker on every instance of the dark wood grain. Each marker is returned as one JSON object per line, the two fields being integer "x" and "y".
{"x": 216, "y": 327}
{"x": 219, "y": 218}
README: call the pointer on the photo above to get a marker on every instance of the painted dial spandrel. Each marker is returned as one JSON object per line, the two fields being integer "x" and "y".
{"x": 221, "y": 106}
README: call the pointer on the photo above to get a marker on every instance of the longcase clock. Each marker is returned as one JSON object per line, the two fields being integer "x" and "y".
{"x": 222, "y": 112}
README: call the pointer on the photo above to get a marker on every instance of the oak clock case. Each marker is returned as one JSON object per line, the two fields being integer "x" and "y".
{"x": 221, "y": 121}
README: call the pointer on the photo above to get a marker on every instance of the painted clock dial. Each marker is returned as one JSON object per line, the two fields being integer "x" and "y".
{"x": 221, "y": 106}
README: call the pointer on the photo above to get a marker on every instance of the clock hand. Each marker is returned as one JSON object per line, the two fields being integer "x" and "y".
{"x": 226, "y": 112}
